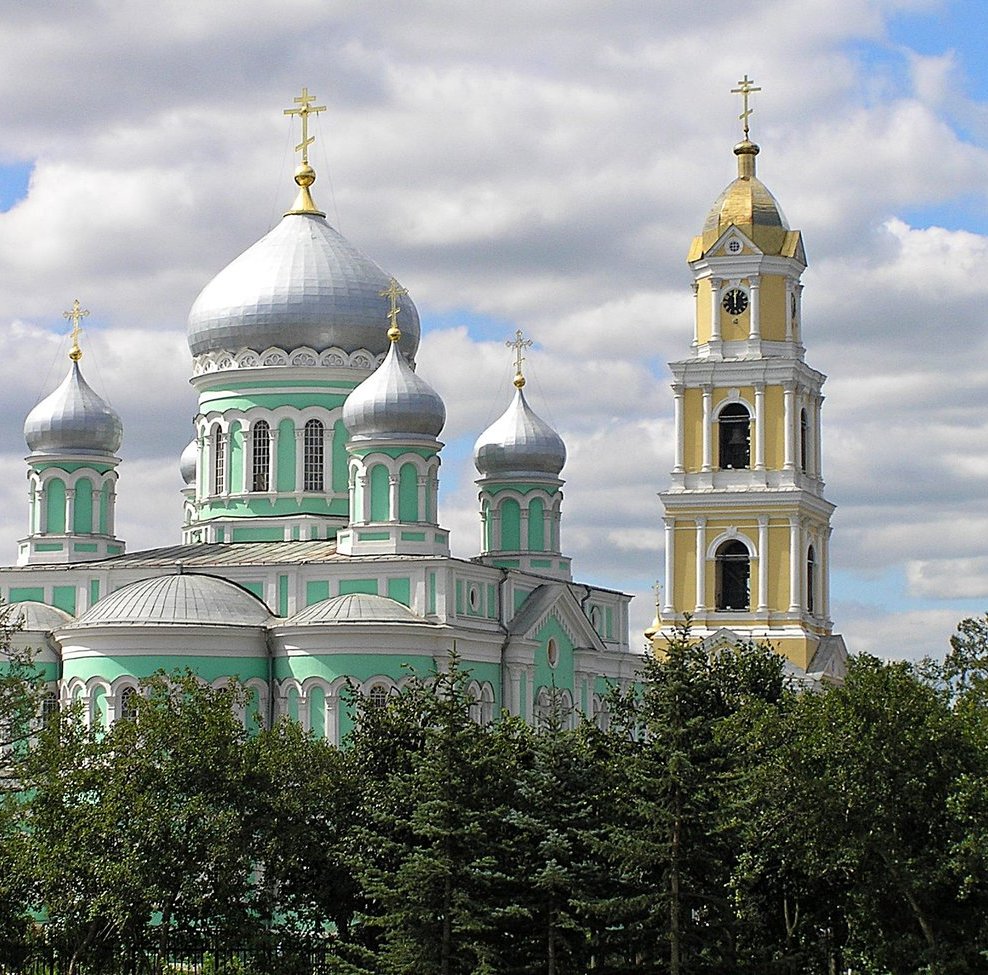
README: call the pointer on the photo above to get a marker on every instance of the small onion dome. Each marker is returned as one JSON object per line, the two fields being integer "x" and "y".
{"x": 177, "y": 600}
{"x": 302, "y": 284}
{"x": 355, "y": 608}
{"x": 394, "y": 403}
{"x": 747, "y": 204}
{"x": 188, "y": 461}
{"x": 34, "y": 617}
{"x": 519, "y": 444}
{"x": 73, "y": 419}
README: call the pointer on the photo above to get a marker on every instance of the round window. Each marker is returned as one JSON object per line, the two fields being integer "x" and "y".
{"x": 734, "y": 246}
{"x": 474, "y": 598}
{"x": 552, "y": 653}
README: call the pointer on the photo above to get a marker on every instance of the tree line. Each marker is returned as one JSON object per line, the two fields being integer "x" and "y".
{"x": 721, "y": 822}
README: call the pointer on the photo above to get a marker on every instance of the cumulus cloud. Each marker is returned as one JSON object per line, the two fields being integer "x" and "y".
{"x": 543, "y": 166}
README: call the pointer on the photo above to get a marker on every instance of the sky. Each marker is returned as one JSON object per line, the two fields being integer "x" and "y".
{"x": 536, "y": 166}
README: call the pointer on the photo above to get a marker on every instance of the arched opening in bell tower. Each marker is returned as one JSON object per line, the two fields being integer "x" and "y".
{"x": 810, "y": 580}
{"x": 733, "y": 575}
{"x": 734, "y": 440}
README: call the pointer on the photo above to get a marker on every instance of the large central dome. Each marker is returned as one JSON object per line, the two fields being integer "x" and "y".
{"x": 302, "y": 285}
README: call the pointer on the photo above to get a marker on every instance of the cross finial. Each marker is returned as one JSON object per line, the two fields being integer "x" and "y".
{"x": 303, "y": 111}
{"x": 519, "y": 344}
{"x": 744, "y": 89}
{"x": 77, "y": 312}
{"x": 393, "y": 292}
{"x": 657, "y": 589}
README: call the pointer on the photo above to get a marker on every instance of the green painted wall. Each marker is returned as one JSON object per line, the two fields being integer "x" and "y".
{"x": 317, "y": 712}
{"x": 262, "y": 507}
{"x": 282, "y": 595}
{"x": 316, "y": 592}
{"x": 562, "y": 673}
{"x": 64, "y": 598}
{"x": 536, "y": 525}
{"x": 521, "y": 487}
{"x": 72, "y": 466}
{"x": 368, "y": 586}
{"x": 104, "y": 510}
{"x": 286, "y": 456}
{"x": 24, "y": 594}
{"x": 55, "y": 497}
{"x": 400, "y": 590}
{"x": 510, "y": 526}
{"x": 340, "y": 481}
{"x": 408, "y": 493}
{"x": 236, "y": 442}
{"x": 258, "y": 533}
{"x": 141, "y": 665}
{"x": 379, "y": 489}
{"x": 82, "y": 516}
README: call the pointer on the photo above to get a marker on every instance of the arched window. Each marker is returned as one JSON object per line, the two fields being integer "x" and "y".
{"x": 128, "y": 704}
{"x": 810, "y": 580}
{"x": 735, "y": 437}
{"x": 261, "y": 456}
{"x": 49, "y": 708}
{"x": 486, "y": 704}
{"x": 378, "y": 696}
{"x": 804, "y": 430}
{"x": 312, "y": 460}
{"x": 219, "y": 461}
{"x": 733, "y": 572}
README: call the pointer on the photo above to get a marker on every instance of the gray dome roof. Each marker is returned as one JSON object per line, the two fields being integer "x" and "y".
{"x": 32, "y": 616}
{"x": 302, "y": 284}
{"x": 355, "y": 608}
{"x": 393, "y": 402}
{"x": 519, "y": 444}
{"x": 177, "y": 599}
{"x": 73, "y": 419}
{"x": 187, "y": 462}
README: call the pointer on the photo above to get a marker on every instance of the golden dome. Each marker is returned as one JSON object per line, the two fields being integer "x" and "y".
{"x": 747, "y": 204}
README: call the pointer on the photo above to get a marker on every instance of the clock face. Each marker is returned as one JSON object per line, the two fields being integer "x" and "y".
{"x": 735, "y": 301}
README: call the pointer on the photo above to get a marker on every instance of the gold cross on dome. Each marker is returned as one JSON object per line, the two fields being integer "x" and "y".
{"x": 304, "y": 110}
{"x": 744, "y": 89}
{"x": 393, "y": 292}
{"x": 519, "y": 345}
{"x": 75, "y": 314}
{"x": 657, "y": 589}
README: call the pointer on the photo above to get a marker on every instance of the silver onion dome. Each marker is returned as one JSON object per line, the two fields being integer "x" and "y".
{"x": 394, "y": 403}
{"x": 301, "y": 285}
{"x": 188, "y": 461}
{"x": 73, "y": 419}
{"x": 519, "y": 444}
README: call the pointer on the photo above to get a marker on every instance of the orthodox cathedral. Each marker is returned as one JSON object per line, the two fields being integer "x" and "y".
{"x": 312, "y": 557}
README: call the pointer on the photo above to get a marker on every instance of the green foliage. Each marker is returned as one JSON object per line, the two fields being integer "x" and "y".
{"x": 721, "y": 824}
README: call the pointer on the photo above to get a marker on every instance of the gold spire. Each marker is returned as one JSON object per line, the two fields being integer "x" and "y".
{"x": 77, "y": 312}
{"x": 744, "y": 89}
{"x": 393, "y": 292}
{"x": 520, "y": 343}
{"x": 305, "y": 175}
{"x": 745, "y": 150}
{"x": 656, "y": 624}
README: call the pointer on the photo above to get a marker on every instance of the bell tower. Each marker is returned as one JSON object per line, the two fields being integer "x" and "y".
{"x": 747, "y": 526}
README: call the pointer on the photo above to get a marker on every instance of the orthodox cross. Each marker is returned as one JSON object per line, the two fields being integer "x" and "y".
{"x": 657, "y": 589}
{"x": 519, "y": 344}
{"x": 746, "y": 87}
{"x": 304, "y": 110}
{"x": 77, "y": 312}
{"x": 393, "y": 292}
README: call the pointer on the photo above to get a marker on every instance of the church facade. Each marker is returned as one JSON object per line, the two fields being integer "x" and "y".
{"x": 312, "y": 556}
{"x": 747, "y": 525}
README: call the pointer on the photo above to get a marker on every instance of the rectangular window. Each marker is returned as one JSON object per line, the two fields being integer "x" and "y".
{"x": 312, "y": 468}
{"x": 261, "y": 462}
{"x": 219, "y": 463}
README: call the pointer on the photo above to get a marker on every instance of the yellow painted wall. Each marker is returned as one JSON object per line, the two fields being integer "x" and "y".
{"x": 703, "y": 311}
{"x": 778, "y": 564}
{"x": 684, "y": 569}
{"x": 693, "y": 429}
{"x": 775, "y": 444}
{"x": 772, "y": 304}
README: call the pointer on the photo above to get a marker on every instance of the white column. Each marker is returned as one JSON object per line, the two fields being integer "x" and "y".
{"x": 701, "y": 566}
{"x": 248, "y": 454}
{"x": 299, "y": 460}
{"x": 670, "y": 567}
{"x": 754, "y": 313}
{"x": 714, "y": 310}
{"x": 111, "y": 511}
{"x": 42, "y": 500}
{"x": 708, "y": 395}
{"x": 789, "y": 318}
{"x": 273, "y": 459}
{"x": 422, "y": 483}
{"x": 363, "y": 497}
{"x": 677, "y": 404}
{"x": 817, "y": 427}
{"x": 797, "y": 326}
{"x": 794, "y": 560}
{"x": 495, "y": 517}
{"x": 523, "y": 529}
{"x": 69, "y": 511}
{"x": 788, "y": 418}
{"x": 392, "y": 497}
{"x": 762, "y": 563}
{"x": 759, "y": 426}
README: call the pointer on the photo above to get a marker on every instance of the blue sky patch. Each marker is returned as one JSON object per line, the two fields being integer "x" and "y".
{"x": 14, "y": 180}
